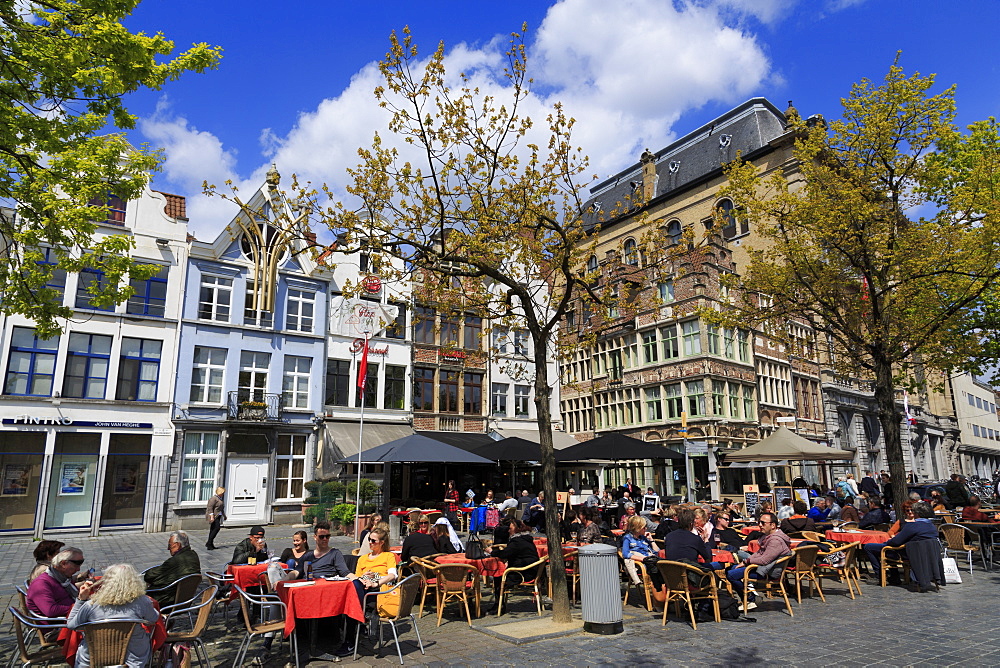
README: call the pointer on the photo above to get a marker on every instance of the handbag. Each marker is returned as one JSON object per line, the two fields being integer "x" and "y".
{"x": 474, "y": 549}
{"x": 951, "y": 572}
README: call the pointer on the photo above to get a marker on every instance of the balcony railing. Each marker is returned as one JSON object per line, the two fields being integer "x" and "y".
{"x": 253, "y": 406}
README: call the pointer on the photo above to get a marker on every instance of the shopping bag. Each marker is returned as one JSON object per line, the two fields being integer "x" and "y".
{"x": 951, "y": 573}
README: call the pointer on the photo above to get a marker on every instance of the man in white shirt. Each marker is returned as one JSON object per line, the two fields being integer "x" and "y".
{"x": 509, "y": 502}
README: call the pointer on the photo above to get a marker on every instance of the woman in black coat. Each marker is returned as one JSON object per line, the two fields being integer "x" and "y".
{"x": 520, "y": 550}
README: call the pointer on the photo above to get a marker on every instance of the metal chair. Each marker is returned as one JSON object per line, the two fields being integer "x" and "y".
{"x": 955, "y": 541}
{"x": 201, "y": 610}
{"x": 537, "y": 569}
{"x": 222, "y": 597}
{"x": 272, "y": 626}
{"x": 407, "y": 591}
{"x": 804, "y": 568}
{"x": 42, "y": 635}
{"x": 571, "y": 563}
{"x": 455, "y": 582}
{"x": 107, "y": 642}
{"x": 847, "y": 572}
{"x": 46, "y": 652}
{"x": 184, "y": 588}
{"x": 679, "y": 589}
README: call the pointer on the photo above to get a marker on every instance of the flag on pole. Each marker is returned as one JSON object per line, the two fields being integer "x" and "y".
{"x": 363, "y": 367}
{"x": 906, "y": 409}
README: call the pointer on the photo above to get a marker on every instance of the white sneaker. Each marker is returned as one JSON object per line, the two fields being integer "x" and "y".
{"x": 750, "y": 606}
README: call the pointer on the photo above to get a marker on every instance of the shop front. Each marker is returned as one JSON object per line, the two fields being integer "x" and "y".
{"x": 67, "y": 475}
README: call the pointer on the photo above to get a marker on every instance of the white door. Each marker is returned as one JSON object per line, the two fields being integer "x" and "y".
{"x": 246, "y": 491}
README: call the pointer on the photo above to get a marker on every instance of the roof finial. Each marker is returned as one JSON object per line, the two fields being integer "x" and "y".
{"x": 273, "y": 178}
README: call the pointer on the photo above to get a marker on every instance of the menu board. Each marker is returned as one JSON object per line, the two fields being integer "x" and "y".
{"x": 751, "y": 503}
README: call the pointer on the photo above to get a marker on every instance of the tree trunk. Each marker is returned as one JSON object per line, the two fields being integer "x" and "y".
{"x": 889, "y": 417}
{"x": 557, "y": 571}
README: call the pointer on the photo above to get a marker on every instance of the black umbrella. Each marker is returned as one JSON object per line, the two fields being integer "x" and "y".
{"x": 416, "y": 448}
{"x": 512, "y": 449}
{"x": 615, "y": 446}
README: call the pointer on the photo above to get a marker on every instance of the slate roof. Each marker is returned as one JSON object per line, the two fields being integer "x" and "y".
{"x": 744, "y": 129}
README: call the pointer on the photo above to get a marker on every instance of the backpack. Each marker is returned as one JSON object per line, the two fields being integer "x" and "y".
{"x": 729, "y": 609}
{"x": 492, "y": 517}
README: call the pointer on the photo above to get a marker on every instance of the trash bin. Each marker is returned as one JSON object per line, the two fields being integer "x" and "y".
{"x": 600, "y": 589}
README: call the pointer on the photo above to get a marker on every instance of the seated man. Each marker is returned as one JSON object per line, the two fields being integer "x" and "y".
{"x": 819, "y": 512}
{"x": 972, "y": 513}
{"x": 508, "y": 502}
{"x": 534, "y": 514}
{"x": 799, "y": 520}
{"x": 875, "y": 515}
{"x": 182, "y": 561}
{"x": 327, "y": 561}
{"x": 774, "y": 544}
{"x": 251, "y": 547}
{"x": 686, "y": 546}
{"x": 921, "y": 528}
{"x": 848, "y": 512}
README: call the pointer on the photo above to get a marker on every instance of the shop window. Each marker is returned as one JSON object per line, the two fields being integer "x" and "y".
{"x": 138, "y": 369}
{"x": 87, "y": 363}
{"x": 125, "y": 480}
{"x": 207, "y": 375}
{"x": 291, "y": 465}
{"x": 199, "y": 463}
{"x": 300, "y": 309}
{"x": 296, "y": 382}
{"x": 149, "y": 297}
{"x": 21, "y": 456}
{"x": 90, "y": 283}
{"x": 395, "y": 387}
{"x": 338, "y": 379}
{"x": 215, "y": 298}
{"x": 72, "y": 486}
{"x": 32, "y": 364}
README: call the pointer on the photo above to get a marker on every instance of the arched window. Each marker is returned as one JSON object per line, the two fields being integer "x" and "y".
{"x": 592, "y": 264}
{"x": 673, "y": 232}
{"x": 631, "y": 253}
{"x": 732, "y": 226}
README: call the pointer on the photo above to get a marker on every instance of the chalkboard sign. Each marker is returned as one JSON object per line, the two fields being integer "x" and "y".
{"x": 650, "y": 502}
{"x": 780, "y": 494}
{"x": 751, "y": 503}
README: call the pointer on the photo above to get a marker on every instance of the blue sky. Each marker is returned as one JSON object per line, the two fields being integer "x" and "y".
{"x": 295, "y": 82}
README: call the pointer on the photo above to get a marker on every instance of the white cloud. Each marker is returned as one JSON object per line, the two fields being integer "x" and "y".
{"x": 626, "y": 70}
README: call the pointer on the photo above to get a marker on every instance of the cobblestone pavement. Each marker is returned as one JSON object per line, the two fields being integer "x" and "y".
{"x": 885, "y": 627}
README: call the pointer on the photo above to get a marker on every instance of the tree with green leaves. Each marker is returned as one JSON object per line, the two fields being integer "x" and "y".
{"x": 66, "y": 67}
{"x": 488, "y": 222}
{"x": 886, "y": 241}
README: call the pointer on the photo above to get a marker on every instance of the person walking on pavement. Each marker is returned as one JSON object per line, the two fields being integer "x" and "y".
{"x": 214, "y": 515}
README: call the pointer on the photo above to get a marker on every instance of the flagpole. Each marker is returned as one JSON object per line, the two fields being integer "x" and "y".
{"x": 362, "y": 382}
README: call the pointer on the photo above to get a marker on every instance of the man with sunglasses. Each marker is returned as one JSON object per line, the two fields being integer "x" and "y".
{"x": 53, "y": 593}
{"x": 774, "y": 544}
{"x": 327, "y": 561}
{"x": 418, "y": 542}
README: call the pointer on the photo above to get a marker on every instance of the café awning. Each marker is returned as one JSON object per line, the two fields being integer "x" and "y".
{"x": 417, "y": 449}
{"x": 616, "y": 447}
{"x": 785, "y": 444}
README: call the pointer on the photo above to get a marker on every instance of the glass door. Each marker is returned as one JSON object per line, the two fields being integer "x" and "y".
{"x": 73, "y": 482}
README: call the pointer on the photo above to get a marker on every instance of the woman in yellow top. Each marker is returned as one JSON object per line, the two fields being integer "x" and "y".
{"x": 377, "y": 569}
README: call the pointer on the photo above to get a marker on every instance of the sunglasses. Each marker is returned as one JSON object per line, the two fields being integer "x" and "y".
{"x": 424, "y": 524}
{"x": 78, "y": 562}
{"x": 321, "y": 536}
{"x": 374, "y": 540}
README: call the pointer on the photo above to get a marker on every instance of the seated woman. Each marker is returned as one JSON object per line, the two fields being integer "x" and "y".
{"x": 470, "y": 501}
{"x": 373, "y": 519}
{"x": 637, "y": 547}
{"x": 520, "y": 550}
{"x": 627, "y": 516}
{"x": 119, "y": 594}
{"x": 501, "y": 534}
{"x": 799, "y": 521}
{"x": 52, "y": 594}
{"x": 442, "y": 539}
{"x": 907, "y": 515}
{"x": 292, "y": 556}
{"x": 43, "y": 554}
{"x": 589, "y": 531}
{"x": 732, "y": 508}
{"x": 375, "y": 570}
{"x": 418, "y": 542}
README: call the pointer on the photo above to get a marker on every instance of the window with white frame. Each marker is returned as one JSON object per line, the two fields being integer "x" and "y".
{"x": 139, "y": 369}
{"x": 253, "y": 375}
{"x": 199, "y": 461}
{"x": 501, "y": 340}
{"x": 498, "y": 399}
{"x": 290, "y": 463}
{"x": 207, "y": 375}
{"x": 521, "y": 393}
{"x": 215, "y": 298}
{"x": 251, "y": 314}
{"x": 520, "y": 341}
{"x": 296, "y": 386}
{"x": 300, "y": 308}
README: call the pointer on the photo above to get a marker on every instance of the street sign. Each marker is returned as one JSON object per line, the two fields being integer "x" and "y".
{"x": 697, "y": 447}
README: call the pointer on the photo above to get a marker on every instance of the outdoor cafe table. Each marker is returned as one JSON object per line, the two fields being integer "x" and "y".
{"x": 318, "y": 600}
{"x": 747, "y": 530}
{"x": 858, "y": 536}
{"x": 487, "y": 566}
{"x": 244, "y": 575}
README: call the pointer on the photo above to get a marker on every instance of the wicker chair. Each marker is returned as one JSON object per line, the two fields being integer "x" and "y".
{"x": 200, "y": 611}
{"x": 804, "y": 568}
{"x": 456, "y": 582}
{"x": 537, "y": 569}
{"x": 407, "y": 591}
{"x": 428, "y": 580}
{"x": 107, "y": 642}
{"x": 898, "y": 561}
{"x": 640, "y": 571}
{"x": 960, "y": 539}
{"x": 813, "y": 536}
{"x": 679, "y": 589}
{"x": 769, "y": 584}
{"x": 272, "y": 626}
{"x": 46, "y": 652}
{"x": 848, "y": 572}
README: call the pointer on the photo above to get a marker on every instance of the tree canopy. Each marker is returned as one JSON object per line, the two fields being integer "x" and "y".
{"x": 886, "y": 241}
{"x": 66, "y": 67}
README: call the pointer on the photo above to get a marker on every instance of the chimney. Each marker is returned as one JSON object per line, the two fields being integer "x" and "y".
{"x": 648, "y": 161}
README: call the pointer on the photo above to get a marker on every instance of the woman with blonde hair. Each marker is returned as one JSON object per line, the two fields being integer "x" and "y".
{"x": 119, "y": 595}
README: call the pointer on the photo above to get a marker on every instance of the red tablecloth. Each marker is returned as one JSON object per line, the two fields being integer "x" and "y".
{"x": 721, "y": 556}
{"x": 747, "y": 529}
{"x": 488, "y": 566}
{"x": 323, "y": 598}
{"x": 543, "y": 548}
{"x": 858, "y": 537}
{"x": 71, "y": 639}
{"x": 245, "y": 576}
